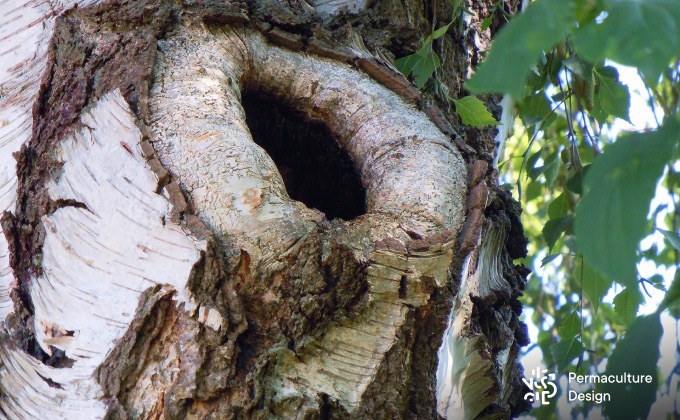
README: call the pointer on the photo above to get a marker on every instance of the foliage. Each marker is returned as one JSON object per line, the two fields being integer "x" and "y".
{"x": 611, "y": 224}
{"x": 521, "y": 43}
{"x": 423, "y": 65}
{"x": 473, "y": 112}
{"x": 637, "y": 352}
{"x": 586, "y": 188}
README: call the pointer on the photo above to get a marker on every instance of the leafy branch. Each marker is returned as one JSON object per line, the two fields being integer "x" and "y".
{"x": 424, "y": 63}
{"x": 590, "y": 186}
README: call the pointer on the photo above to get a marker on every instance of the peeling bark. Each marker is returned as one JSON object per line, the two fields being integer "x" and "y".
{"x": 159, "y": 266}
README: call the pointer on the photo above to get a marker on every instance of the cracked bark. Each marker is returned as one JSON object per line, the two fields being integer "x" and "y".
{"x": 156, "y": 264}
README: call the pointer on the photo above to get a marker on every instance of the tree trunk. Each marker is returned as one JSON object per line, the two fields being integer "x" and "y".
{"x": 235, "y": 210}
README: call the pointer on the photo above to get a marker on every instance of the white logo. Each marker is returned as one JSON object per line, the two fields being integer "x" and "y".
{"x": 540, "y": 385}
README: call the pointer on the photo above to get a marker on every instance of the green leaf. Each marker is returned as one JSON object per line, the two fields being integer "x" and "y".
{"x": 672, "y": 296}
{"x": 421, "y": 64}
{"x": 657, "y": 282}
{"x": 507, "y": 186}
{"x": 536, "y": 80}
{"x": 519, "y": 45}
{"x": 598, "y": 113}
{"x": 473, "y": 112}
{"x": 642, "y": 34}
{"x": 666, "y": 256}
{"x": 548, "y": 259}
{"x": 587, "y": 10}
{"x": 455, "y": 4}
{"x": 534, "y": 108}
{"x": 405, "y": 64}
{"x": 595, "y": 285}
{"x": 552, "y": 169}
{"x": 553, "y": 68}
{"x": 636, "y": 354}
{"x": 575, "y": 183}
{"x": 571, "y": 326}
{"x": 486, "y": 23}
{"x": 532, "y": 171}
{"x": 611, "y": 217}
{"x": 533, "y": 191}
{"x": 559, "y": 96}
{"x": 626, "y": 304}
{"x": 555, "y": 228}
{"x": 439, "y": 32}
{"x": 671, "y": 237}
{"x": 424, "y": 68}
{"x": 611, "y": 97}
{"x": 608, "y": 71}
{"x": 579, "y": 66}
{"x": 559, "y": 207}
{"x": 565, "y": 351}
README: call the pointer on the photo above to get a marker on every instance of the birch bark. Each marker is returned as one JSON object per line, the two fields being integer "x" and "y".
{"x": 156, "y": 264}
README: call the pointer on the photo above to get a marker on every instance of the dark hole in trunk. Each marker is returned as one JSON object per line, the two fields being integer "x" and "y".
{"x": 314, "y": 168}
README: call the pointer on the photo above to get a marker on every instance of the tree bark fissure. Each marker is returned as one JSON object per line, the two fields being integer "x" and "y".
{"x": 159, "y": 267}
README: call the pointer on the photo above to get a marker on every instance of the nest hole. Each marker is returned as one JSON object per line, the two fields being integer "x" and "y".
{"x": 315, "y": 170}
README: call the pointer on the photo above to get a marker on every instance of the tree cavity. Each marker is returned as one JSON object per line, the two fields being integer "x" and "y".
{"x": 315, "y": 170}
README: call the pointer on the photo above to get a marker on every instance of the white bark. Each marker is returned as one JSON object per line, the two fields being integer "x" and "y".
{"x": 414, "y": 180}
{"x": 25, "y": 33}
{"x": 123, "y": 238}
{"x": 329, "y": 8}
{"x": 20, "y": 73}
{"x": 413, "y": 177}
{"x": 101, "y": 255}
{"x": 466, "y": 379}
{"x": 97, "y": 261}
{"x": 343, "y": 363}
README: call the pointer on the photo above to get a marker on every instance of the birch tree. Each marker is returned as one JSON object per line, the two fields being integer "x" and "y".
{"x": 243, "y": 210}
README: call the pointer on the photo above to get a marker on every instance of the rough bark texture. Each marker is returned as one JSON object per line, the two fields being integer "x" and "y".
{"x": 160, "y": 268}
